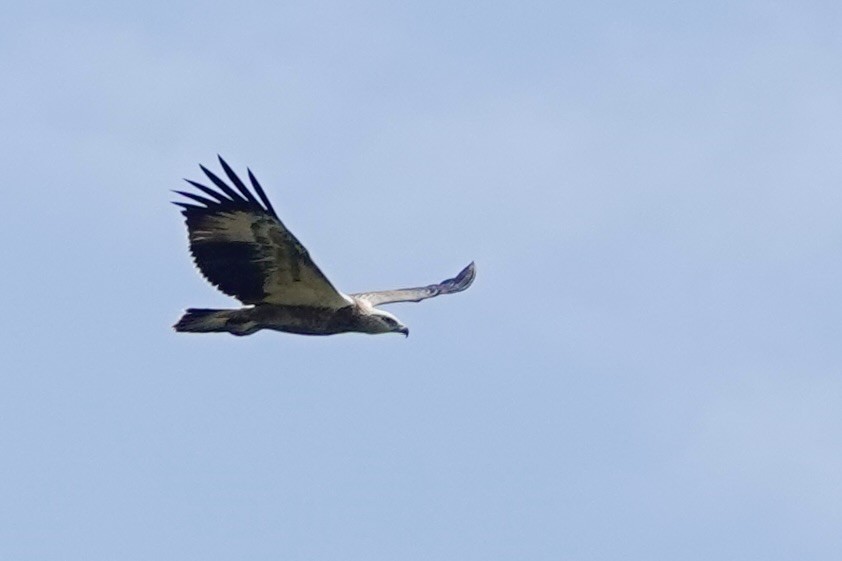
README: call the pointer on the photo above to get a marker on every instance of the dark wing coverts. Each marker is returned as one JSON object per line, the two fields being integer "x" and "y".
{"x": 242, "y": 247}
{"x": 457, "y": 284}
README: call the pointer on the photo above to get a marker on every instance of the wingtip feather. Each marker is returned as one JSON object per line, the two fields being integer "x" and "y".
{"x": 260, "y": 193}
{"x": 461, "y": 281}
{"x": 238, "y": 183}
{"x": 237, "y": 197}
{"x": 467, "y": 275}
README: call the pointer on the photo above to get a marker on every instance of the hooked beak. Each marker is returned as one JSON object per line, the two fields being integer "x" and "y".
{"x": 404, "y": 330}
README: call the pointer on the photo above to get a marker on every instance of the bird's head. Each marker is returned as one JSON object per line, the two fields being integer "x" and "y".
{"x": 384, "y": 322}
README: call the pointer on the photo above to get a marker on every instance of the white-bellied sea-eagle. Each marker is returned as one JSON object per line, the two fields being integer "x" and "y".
{"x": 242, "y": 247}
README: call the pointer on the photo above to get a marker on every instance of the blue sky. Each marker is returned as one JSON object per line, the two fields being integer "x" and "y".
{"x": 647, "y": 367}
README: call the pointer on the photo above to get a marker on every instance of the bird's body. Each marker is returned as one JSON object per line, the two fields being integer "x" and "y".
{"x": 242, "y": 247}
{"x": 302, "y": 320}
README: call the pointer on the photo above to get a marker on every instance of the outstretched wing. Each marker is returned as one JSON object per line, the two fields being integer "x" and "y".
{"x": 457, "y": 284}
{"x": 242, "y": 247}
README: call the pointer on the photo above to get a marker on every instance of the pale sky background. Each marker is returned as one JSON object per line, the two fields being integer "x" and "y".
{"x": 647, "y": 367}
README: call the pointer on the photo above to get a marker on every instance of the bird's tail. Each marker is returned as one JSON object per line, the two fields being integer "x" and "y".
{"x": 200, "y": 320}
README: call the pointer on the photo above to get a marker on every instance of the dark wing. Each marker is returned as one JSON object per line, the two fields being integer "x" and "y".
{"x": 457, "y": 284}
{"x": 242, "y": 247}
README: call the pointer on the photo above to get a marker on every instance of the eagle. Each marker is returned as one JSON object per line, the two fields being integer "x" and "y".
{"x": 241, "y": 247}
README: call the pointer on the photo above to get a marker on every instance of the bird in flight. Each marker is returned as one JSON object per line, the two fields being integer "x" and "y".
{"x": 241, "y": 247}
